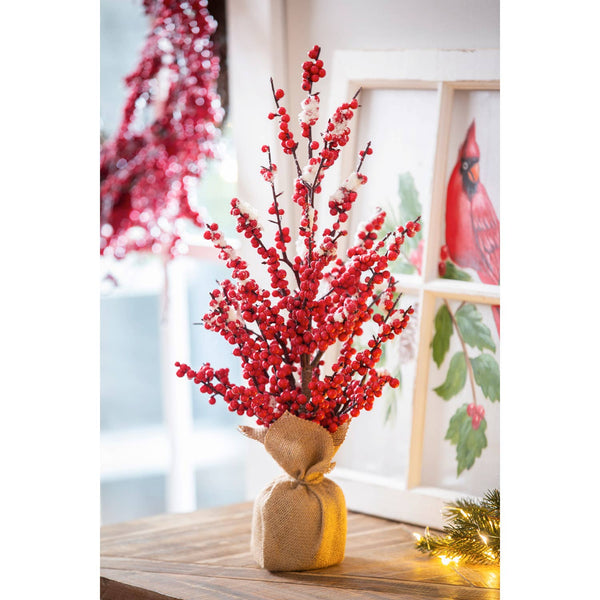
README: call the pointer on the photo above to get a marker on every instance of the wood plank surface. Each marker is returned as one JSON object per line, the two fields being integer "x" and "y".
{"x": 206, "y": 555}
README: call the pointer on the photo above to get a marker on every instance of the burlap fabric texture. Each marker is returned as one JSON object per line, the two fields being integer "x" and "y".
{"x": 299, "y": 519}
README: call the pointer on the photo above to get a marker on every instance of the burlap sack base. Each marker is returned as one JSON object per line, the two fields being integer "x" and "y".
{"x": 299, "y": 519}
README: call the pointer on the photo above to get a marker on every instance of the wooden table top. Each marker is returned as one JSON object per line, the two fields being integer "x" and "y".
{"x": 206, "y": 555}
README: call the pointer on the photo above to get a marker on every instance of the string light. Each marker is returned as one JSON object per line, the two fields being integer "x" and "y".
{"x": 446, "y": 560}
{"x": 472, "y": 534}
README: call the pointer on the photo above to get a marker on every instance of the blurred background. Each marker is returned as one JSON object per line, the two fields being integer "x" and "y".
{"x": 163, "y": 447}
{"x": 154, "y": 461}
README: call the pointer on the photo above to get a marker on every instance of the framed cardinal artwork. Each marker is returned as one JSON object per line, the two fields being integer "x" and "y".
{"x": 432, "y": 118}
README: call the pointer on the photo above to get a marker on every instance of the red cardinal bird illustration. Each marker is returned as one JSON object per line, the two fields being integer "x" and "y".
{"x": 472, "y": 226}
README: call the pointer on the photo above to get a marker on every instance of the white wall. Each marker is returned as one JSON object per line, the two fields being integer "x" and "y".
{"x": 383, "y": 25}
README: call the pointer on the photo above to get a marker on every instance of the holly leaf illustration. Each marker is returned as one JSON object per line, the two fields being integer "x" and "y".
{"x": 469, "y": 442}
{"x": 410, "y": 207}
{"x": 472, "y": 329}
{"x": 405, "y": 267}
{"x": 455, "y": 378}
{"x": 443, "y": 332}
{"x": 453, "y": 272}
{"x": 487, "y": 376}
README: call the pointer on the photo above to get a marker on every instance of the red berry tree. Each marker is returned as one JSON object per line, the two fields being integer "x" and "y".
{"x": 317, "y": 299}
{"x": 169, "y": 123}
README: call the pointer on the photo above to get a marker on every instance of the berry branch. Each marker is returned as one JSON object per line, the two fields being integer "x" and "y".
{"x": 284, "y": 233}
{"x": 364, "y": 153}
{"x": 287, "y": 139}
{"x": 281, "y": 334}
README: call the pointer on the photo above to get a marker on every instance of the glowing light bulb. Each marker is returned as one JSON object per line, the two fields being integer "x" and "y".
{"x": 417, "y": 536}
{"x": 483, "y": 538}
{"x": 445, "y": 560}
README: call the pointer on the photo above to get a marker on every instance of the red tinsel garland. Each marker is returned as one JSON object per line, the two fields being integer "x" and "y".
{"x": 145, "y": 169}
{"x": 316, "y": 300}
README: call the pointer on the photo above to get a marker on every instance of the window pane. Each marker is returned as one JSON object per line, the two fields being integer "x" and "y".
{"x": 220, "y": 461}
{"x": 462, "y": 423}
{"x": 471, "y": 229}
{"x": 134, "y": 498}
{"x": 130, "y": 382}
{"x": 218, "y": 486}
{"x": 209, "y": 346}
{"x": 123, "y": 30}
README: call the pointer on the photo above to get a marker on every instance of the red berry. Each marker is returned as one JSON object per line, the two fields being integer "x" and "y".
{"x": 312, "y": 323}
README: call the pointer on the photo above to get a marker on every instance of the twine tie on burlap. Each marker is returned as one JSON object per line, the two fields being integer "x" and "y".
{"x": 313, "y": 479}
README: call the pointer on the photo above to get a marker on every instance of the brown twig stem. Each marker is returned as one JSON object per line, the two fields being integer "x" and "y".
{"x": 298, "y": 169}
{"x": 464, "y": 348}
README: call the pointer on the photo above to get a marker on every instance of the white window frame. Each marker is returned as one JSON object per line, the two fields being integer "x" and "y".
{"x": 175, "y": 448}
{"x": 444, "y": 71}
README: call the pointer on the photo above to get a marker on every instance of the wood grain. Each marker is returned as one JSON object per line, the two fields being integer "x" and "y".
{"x": 206, "y": 554}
